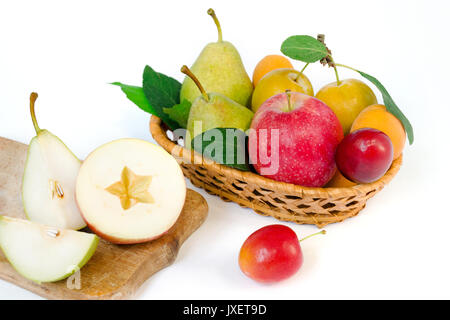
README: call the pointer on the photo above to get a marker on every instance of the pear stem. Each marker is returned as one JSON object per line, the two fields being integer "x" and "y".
{"x": 33, "y": 97}
{"x": 189, "y": 73}
{"x": 216, "y": 21}
{"x": 312, "y": 235}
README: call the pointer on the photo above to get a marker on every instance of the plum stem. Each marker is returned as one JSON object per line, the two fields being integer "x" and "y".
{"x": 216, "y": 21}
{"x": 312, "y": 235}
{"x": 301, "y": 72}
{"x": 328, "y": 60}
{"x": 304, "y": 68}
{"x": 335, "y": 70}
{"x": 344, "y": 66}
{"x": 189, "y": 73}
{"x": 33, "y": 97}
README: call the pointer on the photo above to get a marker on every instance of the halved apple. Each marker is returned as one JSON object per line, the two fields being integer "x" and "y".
{"x": 130, "y": 191}
{"x": 44, "y": 254}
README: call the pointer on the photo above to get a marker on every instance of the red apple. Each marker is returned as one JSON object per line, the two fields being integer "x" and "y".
{"x": 365, "y": 155}
{"x": 293, "y": 138}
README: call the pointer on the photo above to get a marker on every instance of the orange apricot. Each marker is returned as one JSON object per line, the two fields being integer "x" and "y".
{"x": 269, "y": 63}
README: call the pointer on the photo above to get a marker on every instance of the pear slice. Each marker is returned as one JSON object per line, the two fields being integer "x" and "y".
{"x": 130, "y": 191}
{"x": 44, "y": 254}
{"x": 48, "y": 188}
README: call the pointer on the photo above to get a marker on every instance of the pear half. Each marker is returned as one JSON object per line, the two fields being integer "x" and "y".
{"x": 48, "y": 187}
{"x": 130, "y": 191}
{"x": 44, "y": 254}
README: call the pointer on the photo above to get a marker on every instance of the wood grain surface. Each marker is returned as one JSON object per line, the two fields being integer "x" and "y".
{"x": 115, "y": 271}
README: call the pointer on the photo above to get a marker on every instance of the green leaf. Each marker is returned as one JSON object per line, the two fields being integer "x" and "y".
{"x": 304, "y": 48}
{"x": 226, "y": 146}
{"x": 179, "y": 113}
{"x": 391, "y": 106}
{"x": 161, "y": 92}
{"x": 137, "y": 96}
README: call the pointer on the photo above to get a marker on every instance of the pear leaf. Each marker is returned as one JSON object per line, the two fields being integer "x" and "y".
{"x": 137, "y": 96}
{"x": 162, "y": 92}
{"x": 391, "y": 106}
{"x": 179, "y": 113}
{"x": 227, "y": 146}
{"x": 304, "y": 48}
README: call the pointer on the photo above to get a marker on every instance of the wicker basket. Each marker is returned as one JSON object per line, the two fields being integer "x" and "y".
{"x": 284, "y": 201}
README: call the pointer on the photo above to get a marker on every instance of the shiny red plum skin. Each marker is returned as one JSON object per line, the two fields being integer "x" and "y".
{"x": 364, "y": 155}
{"x": 271, "y": 254}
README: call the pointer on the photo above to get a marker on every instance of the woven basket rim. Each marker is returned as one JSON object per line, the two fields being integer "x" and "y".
{"x": 193, "y": 157}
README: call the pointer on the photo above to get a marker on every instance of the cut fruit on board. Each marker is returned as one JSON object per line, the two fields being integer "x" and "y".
{"x": 42, "y": 253}
{"x": 114, "y": 272}
{"x": 49, "y": 180}
{"x": 130, "y": 191}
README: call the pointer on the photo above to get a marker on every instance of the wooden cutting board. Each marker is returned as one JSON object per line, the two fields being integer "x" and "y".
{"x": 114, "y": 272}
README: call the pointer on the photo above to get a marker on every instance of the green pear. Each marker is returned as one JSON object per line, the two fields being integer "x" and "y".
{"x": 48, "y": 187}
{"x": 220, "y": 69}
{"x": 44, "y": 254}
{"x": 214, "y": 110}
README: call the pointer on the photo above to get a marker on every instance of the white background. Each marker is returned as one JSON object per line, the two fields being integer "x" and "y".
{"x": 398, "y": 247}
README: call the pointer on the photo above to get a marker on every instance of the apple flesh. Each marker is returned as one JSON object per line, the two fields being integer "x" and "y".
{"x": 130, "y": 191}
{"x": 308, "y": 135}
{"x": 364, "y": 155}
{"x": 271, "y": 254}
{"x": 42, "y": 253}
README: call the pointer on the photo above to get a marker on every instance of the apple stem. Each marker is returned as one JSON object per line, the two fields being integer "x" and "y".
{"x": 312, "y": 235}
{"x": 216, "y": 21}
{"x": 288, "y": 93}
{"x": 33, "y": 97}
{"x": 189, "y": 73}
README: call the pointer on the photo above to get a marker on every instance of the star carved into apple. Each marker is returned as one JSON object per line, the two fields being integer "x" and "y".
{"x": 131, "y": 189}
{"x": 122, "y": 206}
